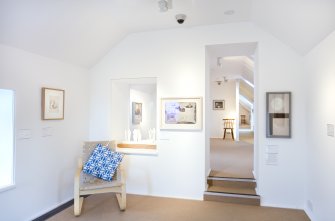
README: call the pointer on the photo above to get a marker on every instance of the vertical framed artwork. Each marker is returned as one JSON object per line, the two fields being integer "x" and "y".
{"x": 218, "y": 105}
{"x": 278, "y": 114}
{"x": 52, "y": 104}
{"x": 136, "y": 113}
{"x": 181, "y": 113}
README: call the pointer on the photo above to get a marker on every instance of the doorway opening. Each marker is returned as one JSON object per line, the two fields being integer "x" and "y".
{"x": 231, "y": 121}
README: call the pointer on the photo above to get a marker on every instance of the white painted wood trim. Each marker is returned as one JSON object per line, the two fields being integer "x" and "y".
{"x": 6, "y": 188}
{"x": 137, "y": 151}
{"x": 232, "y": 179}
{"x": 232, "y": 195}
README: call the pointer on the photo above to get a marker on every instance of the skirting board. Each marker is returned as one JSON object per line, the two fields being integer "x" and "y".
{"x": 308, "y": 213}
{"x": 281, "y": 206}
{"x": 56, "y": 210}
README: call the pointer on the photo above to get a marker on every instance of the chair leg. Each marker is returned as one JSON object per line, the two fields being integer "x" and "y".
{"x": 232, "y": 133}
{"x": 78, "y": 203}
{"x": 224, "y": 133}
{"x": 122, "y": 199}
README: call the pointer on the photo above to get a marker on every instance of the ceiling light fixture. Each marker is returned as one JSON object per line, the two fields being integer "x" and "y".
{"x": 229, "y": 12}
{"x": 219, "y": 80}
{"x": 218, "y": 62}
{"x": 164, "y": 5}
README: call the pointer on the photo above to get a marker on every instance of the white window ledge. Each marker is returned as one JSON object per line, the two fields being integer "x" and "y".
{"x": 138, "y": 151}
{"x": 6, "y": 188}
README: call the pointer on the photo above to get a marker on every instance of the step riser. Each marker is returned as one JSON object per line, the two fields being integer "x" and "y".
{"x": 228, "y": 183}
{"x": 231, "y": 199}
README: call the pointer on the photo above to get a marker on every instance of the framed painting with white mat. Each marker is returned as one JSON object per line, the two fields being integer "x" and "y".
{"x": 52, "y": 104}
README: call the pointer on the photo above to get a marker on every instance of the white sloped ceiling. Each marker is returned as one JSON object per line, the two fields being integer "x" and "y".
{"x": 82, "y": 31}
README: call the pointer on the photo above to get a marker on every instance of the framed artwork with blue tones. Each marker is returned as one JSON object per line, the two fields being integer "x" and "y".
{"x": 181, "y": 113}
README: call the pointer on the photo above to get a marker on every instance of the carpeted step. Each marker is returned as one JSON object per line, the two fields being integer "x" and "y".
{"x": 231, "y": 182}
{"x": 239, "y": 174}
{"x": 232, "y": 190}
{"x": 232, "y": 198}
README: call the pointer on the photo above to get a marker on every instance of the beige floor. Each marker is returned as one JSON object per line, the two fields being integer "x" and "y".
{"x": 231, "y": 158}
{"x": 144, "y": 208}
{"x": 247, "y": 136}
{"x": 245, "y": 126}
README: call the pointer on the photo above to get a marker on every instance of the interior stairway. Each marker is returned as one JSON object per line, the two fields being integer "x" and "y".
{"x": 232, "y": 190}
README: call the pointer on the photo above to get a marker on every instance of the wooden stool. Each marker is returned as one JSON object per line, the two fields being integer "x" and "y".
{"x": 228, "y": 124}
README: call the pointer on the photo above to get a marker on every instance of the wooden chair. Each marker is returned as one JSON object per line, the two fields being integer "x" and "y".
{"x": 243, "y": 119}
{"x": 85, "y": 184}
{"x": 228, "y": 124}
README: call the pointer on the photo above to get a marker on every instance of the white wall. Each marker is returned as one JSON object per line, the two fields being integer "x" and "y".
{"x": 177, "y": 58}
{"x": 145, "y": 94}
{"x": 118, "y": 119}
{"x": 227, "y": 92}
{"x": 320, "y": 191}
{"x": 44, "y": 165}
{"x": 280, "y": 69}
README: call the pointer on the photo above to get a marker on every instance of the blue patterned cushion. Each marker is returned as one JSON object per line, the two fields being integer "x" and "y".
{"x": 103, "y": 163}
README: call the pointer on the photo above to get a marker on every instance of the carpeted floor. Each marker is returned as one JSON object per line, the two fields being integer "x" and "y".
{"x": 145, "y": 208}
{"x": 231, "y": 158}
{"x": 247, "y": 136}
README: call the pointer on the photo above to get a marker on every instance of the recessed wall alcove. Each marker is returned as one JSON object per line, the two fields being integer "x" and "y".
{"x": 134, "y": 114}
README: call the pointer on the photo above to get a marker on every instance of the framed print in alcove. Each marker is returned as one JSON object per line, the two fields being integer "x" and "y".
{"x": 278, "y": 114}
{"x": 218, "y": 105}
{"x": 136, "y": 113}
{"x": 52, "y": 104}
{"x": 181, "y": 113}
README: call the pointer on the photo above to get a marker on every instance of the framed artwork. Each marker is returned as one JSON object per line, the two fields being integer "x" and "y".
{"x": 52, "y": 104}
{"x": 218, "y": 105}
{"x": 136, "y": 113}
{"x": 278, "y": 114}
{"x": 181, "y": 113}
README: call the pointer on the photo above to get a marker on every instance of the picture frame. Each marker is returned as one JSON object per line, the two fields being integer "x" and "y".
{"x": 53, "y": 104}
{"x": 218, "y": 104}
{"x": 278, "y": 114}
{"x": 181, "y": 113}
{"x": 136, "y": 112}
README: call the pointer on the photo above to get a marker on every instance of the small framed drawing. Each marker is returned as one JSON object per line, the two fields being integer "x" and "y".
{"x": 278, "y": 114}
{"x": 218, "y": 105}
{"x": 52, "y": 104}
{"x": 136, "y": 112}
{"x": 181, "y": 113}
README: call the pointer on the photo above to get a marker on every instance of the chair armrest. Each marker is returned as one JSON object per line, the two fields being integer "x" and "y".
{"x": 121, "y": 174}
{"x": 80, "y": 163}
{"x": 77, "y": 175}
